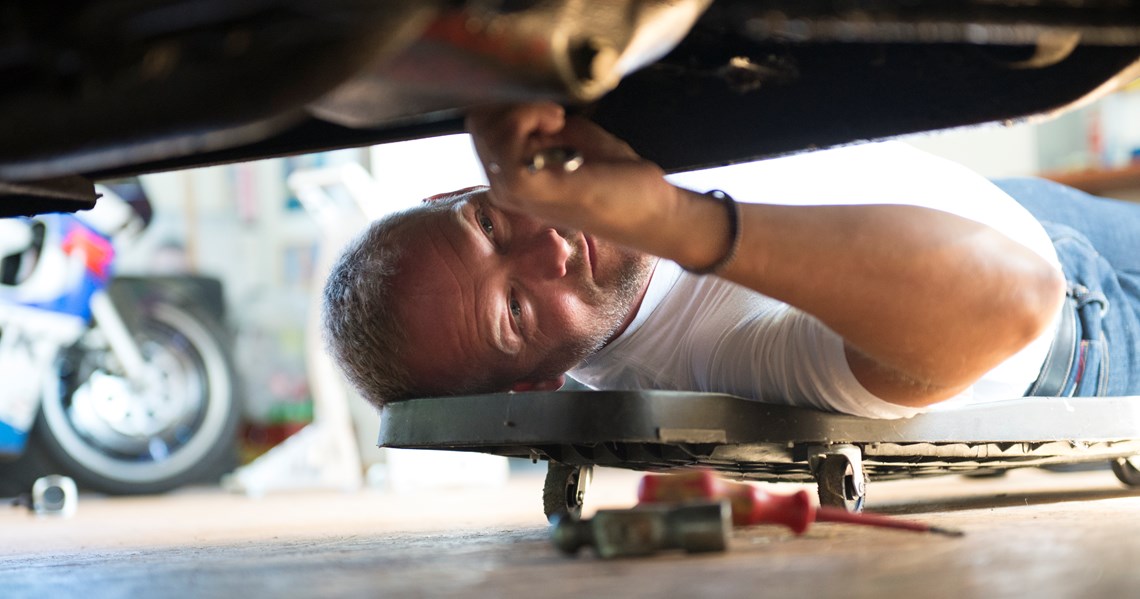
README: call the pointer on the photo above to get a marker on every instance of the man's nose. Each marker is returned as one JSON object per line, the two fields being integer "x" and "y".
{"x": 546, "y": 255}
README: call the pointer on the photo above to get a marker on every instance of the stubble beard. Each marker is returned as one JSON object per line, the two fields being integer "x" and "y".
{"x": 613, "y": 304}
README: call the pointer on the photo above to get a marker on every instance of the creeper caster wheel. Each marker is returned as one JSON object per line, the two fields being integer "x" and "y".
{"x": 1127, "y": 471}
{"x": 565, "y": 490}
{"x": 839, "y": 478}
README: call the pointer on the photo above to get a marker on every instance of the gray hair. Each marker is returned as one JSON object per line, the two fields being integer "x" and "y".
{"x": 360, "y": 323}
{"x": 360, "y": 318}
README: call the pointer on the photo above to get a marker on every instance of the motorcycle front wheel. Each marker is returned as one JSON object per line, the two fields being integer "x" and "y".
{"x": 121, "y": 436}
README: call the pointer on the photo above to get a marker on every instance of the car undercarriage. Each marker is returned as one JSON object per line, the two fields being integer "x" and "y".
{"x": 112, "y": 88}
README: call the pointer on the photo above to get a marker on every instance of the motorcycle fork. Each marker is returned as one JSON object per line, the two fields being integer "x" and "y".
{"x": 118, "y": 336}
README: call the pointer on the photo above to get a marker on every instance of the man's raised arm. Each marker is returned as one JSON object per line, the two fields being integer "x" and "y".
{"x": 926, "y": 301}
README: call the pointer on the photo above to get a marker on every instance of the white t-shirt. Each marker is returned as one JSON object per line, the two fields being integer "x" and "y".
{"x": 697, "y": 333}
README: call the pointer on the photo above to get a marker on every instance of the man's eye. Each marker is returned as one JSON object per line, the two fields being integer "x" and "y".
{"x": 486, "y": 224}
{"x": 515, "y": 307}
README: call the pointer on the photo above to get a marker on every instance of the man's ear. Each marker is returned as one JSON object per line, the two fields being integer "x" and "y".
{"x": 550, "y": 384}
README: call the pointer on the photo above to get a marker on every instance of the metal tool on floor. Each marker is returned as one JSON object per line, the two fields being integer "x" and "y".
{"x": 52, "y": 495}
{"x": 751, "y": 505}
{"x": 695, "y": 527}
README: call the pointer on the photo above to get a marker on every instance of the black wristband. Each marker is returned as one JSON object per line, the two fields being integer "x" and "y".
{"x": 733, "y": 232}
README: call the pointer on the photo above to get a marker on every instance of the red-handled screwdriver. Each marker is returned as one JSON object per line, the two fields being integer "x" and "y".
{"x": 751, "y": 505}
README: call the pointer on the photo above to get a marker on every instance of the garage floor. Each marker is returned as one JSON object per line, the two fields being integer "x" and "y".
{"x": 1030, "y": 533}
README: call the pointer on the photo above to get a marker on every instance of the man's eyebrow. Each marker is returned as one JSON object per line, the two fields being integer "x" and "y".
{"x": 467, "y": 217}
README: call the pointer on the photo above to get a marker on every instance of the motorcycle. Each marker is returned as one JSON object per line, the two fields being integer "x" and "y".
{"x": 126, "y": 384}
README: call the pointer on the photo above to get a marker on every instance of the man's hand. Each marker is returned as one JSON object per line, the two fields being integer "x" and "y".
{"x": 615, "y": 194}
{"x": 612, "y": 181}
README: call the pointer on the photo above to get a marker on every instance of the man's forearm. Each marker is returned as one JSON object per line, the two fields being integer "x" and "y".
{"x": 926, "y": 300}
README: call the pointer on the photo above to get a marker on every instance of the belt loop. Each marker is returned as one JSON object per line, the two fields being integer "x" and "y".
{"x": 1084, "y": 297}
{"x": 1092, "y": 355}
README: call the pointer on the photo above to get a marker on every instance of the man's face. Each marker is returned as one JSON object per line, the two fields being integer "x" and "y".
{"x": 500, "y": 298}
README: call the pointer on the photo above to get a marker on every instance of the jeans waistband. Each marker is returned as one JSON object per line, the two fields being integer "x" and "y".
{"x": 1077, "y": 362}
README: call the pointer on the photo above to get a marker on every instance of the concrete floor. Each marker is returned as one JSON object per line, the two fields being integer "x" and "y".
{"x": 1031, "y": 533}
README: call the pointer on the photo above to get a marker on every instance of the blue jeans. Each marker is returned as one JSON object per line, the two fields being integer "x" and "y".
{"x": 1098, "y": 243}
